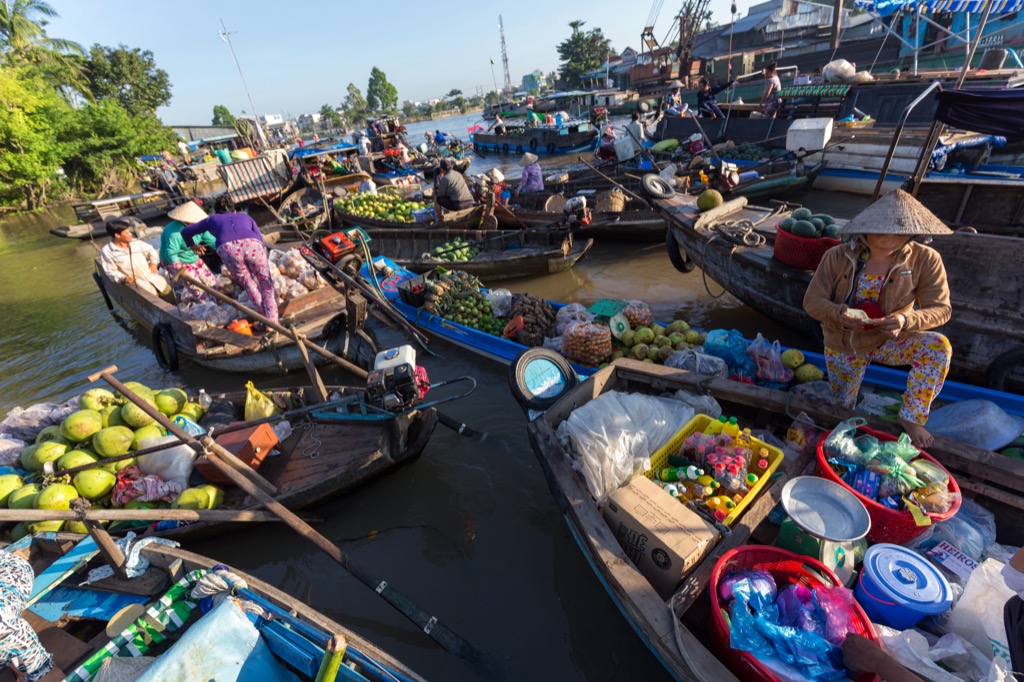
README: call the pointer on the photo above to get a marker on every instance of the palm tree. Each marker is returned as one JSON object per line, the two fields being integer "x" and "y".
{"x": 23, "y": 40}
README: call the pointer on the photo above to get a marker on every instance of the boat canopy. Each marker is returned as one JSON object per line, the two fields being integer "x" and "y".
{"x": 993, "y": 112}
{"x": 884, "y": 8}
{"x": 300, "y": 152}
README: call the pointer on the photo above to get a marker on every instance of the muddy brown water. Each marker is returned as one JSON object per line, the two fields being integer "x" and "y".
{"x": 469, "y": 532}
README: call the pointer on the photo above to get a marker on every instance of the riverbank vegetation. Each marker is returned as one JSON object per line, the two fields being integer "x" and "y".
{"x": 73, "y": 121}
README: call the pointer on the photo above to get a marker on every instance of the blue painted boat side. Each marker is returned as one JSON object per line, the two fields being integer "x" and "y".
{"x": 504, "y": 351}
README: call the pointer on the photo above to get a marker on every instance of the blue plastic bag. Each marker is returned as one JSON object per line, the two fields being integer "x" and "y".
{"x": 731, "y": 347}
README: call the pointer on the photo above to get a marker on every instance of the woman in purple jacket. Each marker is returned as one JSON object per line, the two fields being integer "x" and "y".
{"x": 241, "y": 248}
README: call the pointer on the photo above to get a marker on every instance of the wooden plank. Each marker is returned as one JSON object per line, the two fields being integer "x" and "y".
{"x": 150, "y": 584}
{"x": 228, "y": 337}
{"x": 66, "y": 648}
{"x": 111, "y": 552}
{"x": 62, "y": 568}
{"x": 293, "y": 649}
{"x": 72, "y": 602}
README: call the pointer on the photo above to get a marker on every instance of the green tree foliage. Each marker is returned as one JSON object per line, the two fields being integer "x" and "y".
{"x": 329, "y": 117}
{"x": 102, "y": 141}
{"x": 354, "y": 104}
{"x": 583, "y": 51}
{"x": 128, "y": 76}
{"x": 454, "y": 92}
{"x": 31, "y": 119}
{"x": 409, "y": 110}
{"x": 222, "y": 116}
{"x": 24, "y": 43}
{"x": 381, "y": 96}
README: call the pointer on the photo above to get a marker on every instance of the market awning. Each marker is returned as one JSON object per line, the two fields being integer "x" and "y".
{"x": 992, "y": 112}
{"x": 886, "y": 7}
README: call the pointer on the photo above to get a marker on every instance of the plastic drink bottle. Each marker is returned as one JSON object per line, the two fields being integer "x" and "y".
{"x": 680, "y": 473}
{"x": 722, "y": 502}
{"x": 708, "y": 481}
{"x": 731, "y": 428}
{"x": 715, "y": 427}
{"x": 671, "y": 488}
{"x": 696, "y": 491}
{"x": 759, "y": 465}
{"x": 204, "y": 400}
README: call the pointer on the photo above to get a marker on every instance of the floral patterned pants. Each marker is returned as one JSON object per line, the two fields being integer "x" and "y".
{"x": 927, "y": 353}
{"x": 246, "y": 260}
{"x": 186, "y": 293}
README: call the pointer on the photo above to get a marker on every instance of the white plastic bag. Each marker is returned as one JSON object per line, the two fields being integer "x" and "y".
{"x": 10, "y": 451}
{"x": 701, "y": 404}
{"x": 978, "y": 615}
{"x": 553, "y": 343}
{"x": 614, "y": 435}
{"x": 960, "y": 660}
{"x": 500, "y": 300}
{"x": 174, "y": 465}
{"x": 694, "y": 361}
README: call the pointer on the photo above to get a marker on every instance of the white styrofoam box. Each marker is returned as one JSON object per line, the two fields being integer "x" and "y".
{"x": 808, "y": 134}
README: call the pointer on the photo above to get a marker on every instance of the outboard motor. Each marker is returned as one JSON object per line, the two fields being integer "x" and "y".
{"x": 576, "y": 213}
{"x": 393, "y": 383}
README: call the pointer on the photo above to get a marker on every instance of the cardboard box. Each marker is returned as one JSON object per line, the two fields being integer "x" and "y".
{"x": 661, "y": 536}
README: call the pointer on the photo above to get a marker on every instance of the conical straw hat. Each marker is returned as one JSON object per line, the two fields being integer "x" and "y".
{"x": 896, "y": 213}
{"x": 187, "y": 213}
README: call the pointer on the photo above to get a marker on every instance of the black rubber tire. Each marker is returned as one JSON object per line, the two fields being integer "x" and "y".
{"x": 163, "y": 347}
{"x": 1001, "y": 368}
{"x": 533, "y": 145}
{"x": 680, "y": 259}
{"x": 517, "y": 379}
{"x": 656, "y": 187}
{"x": 519, "y": 149}
{"x": 504, "y": 148}
{"x": 643, "y": 107}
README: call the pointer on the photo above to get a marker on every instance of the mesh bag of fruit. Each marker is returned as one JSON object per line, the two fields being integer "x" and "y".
{"x": 638, "y": 313}
{"x": 587, "y": 343}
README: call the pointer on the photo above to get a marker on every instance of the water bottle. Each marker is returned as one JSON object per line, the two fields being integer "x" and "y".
{"x": 204, "y": 400}
{"x": 689, "y": 473}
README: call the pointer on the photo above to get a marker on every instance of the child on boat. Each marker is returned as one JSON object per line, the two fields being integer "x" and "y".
{"x": 876, "y": 298}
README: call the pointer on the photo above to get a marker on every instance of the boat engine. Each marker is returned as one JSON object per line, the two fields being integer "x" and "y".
{"x": 392, "y": 383}
{"x": 576, "y": 213}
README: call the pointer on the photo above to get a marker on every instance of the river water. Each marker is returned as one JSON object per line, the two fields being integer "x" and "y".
{"x": 469, "y": 532}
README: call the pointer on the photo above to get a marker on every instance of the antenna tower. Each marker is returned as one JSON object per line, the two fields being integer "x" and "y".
{"x": 504, "y": 56}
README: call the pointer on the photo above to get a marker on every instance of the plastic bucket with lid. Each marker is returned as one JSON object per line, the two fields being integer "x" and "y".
{"x": 898, "y": 587}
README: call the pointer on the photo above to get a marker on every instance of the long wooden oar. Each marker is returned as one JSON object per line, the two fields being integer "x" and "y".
{"x": 291, "y": 333}
{"x": 216, "y": 454}
{"x": 638, "y": 198}
{"x": 98, "y": 514}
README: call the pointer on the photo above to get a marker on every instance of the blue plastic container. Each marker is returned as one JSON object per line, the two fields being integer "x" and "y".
{"x": 898, "y": 587}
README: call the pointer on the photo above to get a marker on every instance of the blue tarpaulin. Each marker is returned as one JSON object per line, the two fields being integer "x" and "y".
{"x": 886, "y": 7}
{"x": 300, "y": 152}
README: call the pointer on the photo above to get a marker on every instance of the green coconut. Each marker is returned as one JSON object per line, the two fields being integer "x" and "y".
{"x": 193, "y": 411}
{"x": 35, "y": 456}
{"x": 640, "y": 351}
{"x": 45, "y": 527}
{"x": 664, "y": 352}
{"x": 192, "y": 498}
{"x": 679, "y": 326}
{"x": 213, "y": 493}
{"x": 24, "y": 497}
{"x": 112, "y": 416}
{"x": 171, "y": 400}
{"x": 134, "y": 416}
{"x": 644, "y": 335}
{"x": 124, "y": 463}
{"x": 151, "y": 431}
{"x": 661, "y": 340}
{"x": 628, "y": 338}
{"x": 79, "y": 426}
{"x": 19, "y": 531}
{"x": 56, "y": 496}
{"x": 75, "y": 458}
{"x": 652, "y": 352}
{"x": 96, "y": 399}
{"x": 8, "y": 484}
{"x": 136, "y": 388}
{"x": 709, "y": 199}
{"x": 658, "y": 329}
{"x": 75, "y": 527}
{"x": 49, "y": 433}
{"x": 94, "y": 483}
{"x": 113, "y": 441}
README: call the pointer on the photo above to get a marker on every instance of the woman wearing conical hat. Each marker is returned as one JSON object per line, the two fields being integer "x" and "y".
{"x": 176, "y": 254}
{"x": 877, "y": 297}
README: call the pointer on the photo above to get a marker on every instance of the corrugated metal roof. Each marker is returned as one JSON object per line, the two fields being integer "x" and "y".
{"x": 753, "y": 21}
{"x": 200, "y": 132}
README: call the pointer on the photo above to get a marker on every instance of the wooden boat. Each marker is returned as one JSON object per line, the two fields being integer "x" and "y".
{"x": 317, "y": 171}
{"x": 92, "y": 215}
{"x": 504, "y": 351}
{"x": 173, "y": 336}
{"x": 676, "y": 629}
{"x": 542, "y": 139}
{"x": 987, "y": 327}
{"x": 305, "y": 207}
{"x": 427, "y": 164}
{"x": 991, "y": 202}
{"x": 503, "y": 254}
{"x": 636, "y": 222}
{"x": 73, "y": 621}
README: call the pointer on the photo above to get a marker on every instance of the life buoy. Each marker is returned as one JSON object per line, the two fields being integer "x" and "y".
{"x": 504, "y": 148}
{"x": 163, "y": 347}
{"x": 533, "y": 145}
{"x": 679, "y": 258}
{"x": 551, "y": 375}
{"x": 519, "y": 149}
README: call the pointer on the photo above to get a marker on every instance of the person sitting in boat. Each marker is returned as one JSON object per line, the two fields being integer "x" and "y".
{"x": 533, "y": 119}
{"x": 876, "y": 298}
{"x": 707, "y": 102}
{"x": 364, "y": 145}
{"x": 672, "y": 104}
{"x": 440, "y": 138}
{"x": 168, "y": 180}
{"x": 131, "y": 262}
{"x": 368, "y": 185}
{"x": 606, "y": 149}
{"x": 498, "y": 126}
{"x": 241, "y": 248}
{"x": 178, "y": 256}
{"x": 772, "y": 86}
{"x": 450, "y": 188}
{"x": 531, "y": 180}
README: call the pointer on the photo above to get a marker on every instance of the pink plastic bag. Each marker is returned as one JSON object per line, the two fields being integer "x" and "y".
{"x": 768, "y": 358}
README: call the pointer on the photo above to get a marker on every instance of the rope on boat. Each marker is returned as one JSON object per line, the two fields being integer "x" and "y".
{"x": 220, "y": 583}
{"x": 735, "y": 232}
{"x": 135, "y": 563}
{"x": 310, "y": 444}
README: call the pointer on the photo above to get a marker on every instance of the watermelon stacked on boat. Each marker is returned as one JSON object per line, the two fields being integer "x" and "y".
{"x": 804, "y": 237}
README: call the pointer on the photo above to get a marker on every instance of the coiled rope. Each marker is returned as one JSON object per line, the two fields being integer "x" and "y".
{"x": 220, "y": 583}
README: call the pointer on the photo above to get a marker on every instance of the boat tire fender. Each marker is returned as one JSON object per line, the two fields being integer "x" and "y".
{"x": 655, "y": 187}
{"x": 163, "y": 347}
{"x": 679, "y": 258}
{"x": 1002, "y": 367}
{"x": 504, "y": 148}
{"x": 533, "y": 145}
{"x": 518, "y": 382}
{"x": 519, "y": 149}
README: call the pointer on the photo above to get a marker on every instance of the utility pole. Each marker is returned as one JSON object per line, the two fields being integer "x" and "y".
{"x": 504, "y": 56}
{"x": 226, "y": 37}
{"x": 837, "y": 20}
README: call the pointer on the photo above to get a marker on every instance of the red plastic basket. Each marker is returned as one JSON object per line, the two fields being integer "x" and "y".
{"x": 788, "y": 569}
{"x": 888, "y": 525}
{"x": 801, "y": 252}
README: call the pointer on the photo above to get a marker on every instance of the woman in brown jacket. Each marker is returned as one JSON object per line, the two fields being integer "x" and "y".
{"x": 876, "y": 298}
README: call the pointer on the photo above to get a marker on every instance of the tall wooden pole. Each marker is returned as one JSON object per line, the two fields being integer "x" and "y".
{"x": 837, "y": 20}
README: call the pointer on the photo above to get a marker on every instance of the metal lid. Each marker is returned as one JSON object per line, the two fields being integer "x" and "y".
{"x": 907, "y": 578}
{"x": 825, "y": 509}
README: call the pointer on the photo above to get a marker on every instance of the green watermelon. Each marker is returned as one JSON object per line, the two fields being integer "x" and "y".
{"x": 818, "y": 223}
{"x": 825, "y": 218}
{"x": 802, "y": 214}
{"x": 804, "y": 228}
{"x": 786, "y": 223}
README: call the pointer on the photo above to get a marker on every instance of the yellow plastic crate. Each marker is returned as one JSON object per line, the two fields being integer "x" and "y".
{"x": 659, "y": 460}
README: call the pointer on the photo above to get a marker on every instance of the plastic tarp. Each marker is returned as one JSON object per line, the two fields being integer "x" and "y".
{"x": 884, "y": 8}
{"x": 224, "y": 646}
{"x": 942, "y": 151}
{"x": 300, "y": 152}
{"x": 267, "y": 175}
{"x": 992, "y": 112}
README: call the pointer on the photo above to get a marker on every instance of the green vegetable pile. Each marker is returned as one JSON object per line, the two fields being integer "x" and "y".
{"x": 457, "y": 249}
{"x": 380, "y": 207}
{"x": 803, "y": 223}
{"x": 456, "y": 296}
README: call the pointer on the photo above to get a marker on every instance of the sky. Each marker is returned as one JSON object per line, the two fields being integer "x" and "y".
{"x": 297, "y": 55}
